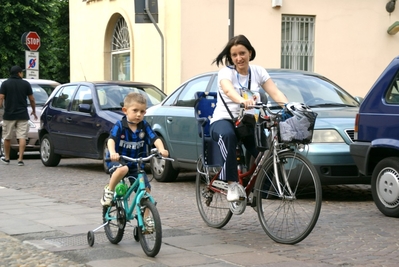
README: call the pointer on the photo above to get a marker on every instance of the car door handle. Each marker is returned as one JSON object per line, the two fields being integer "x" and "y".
{"x": 169, "y": 119}
{"x": 68, "y": 119}
{"x": 49, "y": 117}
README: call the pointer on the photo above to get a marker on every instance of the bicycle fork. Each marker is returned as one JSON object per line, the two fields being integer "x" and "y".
{"x": 278, "y": 168}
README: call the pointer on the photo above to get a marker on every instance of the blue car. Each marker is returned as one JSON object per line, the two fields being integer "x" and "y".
{"x": 174, "y": 121}
{"x": 77, "y": 118}
{"x": 376, "y": 146}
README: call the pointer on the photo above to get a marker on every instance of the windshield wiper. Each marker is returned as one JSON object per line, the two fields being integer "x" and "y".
{"x": 112, "y": 108}
{"x": 332, "y": 105}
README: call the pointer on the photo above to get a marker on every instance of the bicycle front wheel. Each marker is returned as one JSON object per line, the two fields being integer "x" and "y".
{"x": 115, "y": 227}
{"x": 213, "y": 206}
{"x": 151, "y": 236}
{"x": 288, "y": 209}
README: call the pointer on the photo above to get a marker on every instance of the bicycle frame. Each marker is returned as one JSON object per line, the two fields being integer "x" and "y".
{"x": 261, "y": 158}
{"x": 139, "y": 187}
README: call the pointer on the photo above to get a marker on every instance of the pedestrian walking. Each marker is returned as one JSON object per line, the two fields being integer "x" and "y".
{"x": 13, "y": 94}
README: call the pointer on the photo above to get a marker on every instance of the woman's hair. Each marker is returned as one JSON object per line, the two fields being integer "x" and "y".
{"x": 134, "y": 97}
{"x": 236, "y": 40}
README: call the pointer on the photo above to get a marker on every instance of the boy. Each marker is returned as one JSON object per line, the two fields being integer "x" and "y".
{"x": 129, "y": 137}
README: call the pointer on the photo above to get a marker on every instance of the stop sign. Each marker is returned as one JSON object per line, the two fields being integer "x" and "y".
{"x": 32, "y": 41}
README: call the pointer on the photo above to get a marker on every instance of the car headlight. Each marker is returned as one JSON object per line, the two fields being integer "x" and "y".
{"x": 327, "y": 136}
{"x": 31, "y": 124}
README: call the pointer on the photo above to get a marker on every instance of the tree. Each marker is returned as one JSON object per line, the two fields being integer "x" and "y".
{"x": 50, "y": 19}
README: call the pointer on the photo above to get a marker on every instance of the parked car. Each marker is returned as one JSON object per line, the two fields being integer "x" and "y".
{"x": 77, "y": 118}
{"x": 376, "y": 147}
{"x": 173, "y": 120}
{"x": 41, "y": 91}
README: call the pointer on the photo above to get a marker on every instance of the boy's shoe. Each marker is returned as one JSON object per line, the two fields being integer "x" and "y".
{"x": 149, "y": 224}
{"x": 5, "y": 161}
{"x": 107, "y": 196}
{"x": 21, "y": 163}
{"x": 235, "y": 192}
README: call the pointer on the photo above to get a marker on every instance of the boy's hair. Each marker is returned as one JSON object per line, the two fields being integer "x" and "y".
{"x": 134, "y": 97}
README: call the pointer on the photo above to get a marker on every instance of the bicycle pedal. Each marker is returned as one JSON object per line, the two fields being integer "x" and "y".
{"x": 220, "y": 185}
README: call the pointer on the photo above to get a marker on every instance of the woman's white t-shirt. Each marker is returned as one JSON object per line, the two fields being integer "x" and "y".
{"x": 258, "y": 77}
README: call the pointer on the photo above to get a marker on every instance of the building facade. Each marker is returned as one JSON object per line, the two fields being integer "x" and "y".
{"x": 347, "y": 41}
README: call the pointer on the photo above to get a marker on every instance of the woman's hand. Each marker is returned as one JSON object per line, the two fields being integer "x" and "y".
{"x": 247, "y": 103}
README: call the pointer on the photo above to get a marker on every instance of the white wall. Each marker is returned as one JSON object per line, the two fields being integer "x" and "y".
{"x": 352, "y": 46}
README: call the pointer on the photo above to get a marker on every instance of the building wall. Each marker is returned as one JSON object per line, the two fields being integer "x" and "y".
{"x": 352, "y": 46}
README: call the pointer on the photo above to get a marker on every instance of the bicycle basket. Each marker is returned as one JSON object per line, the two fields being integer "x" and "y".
{"x": 299, "y": 128}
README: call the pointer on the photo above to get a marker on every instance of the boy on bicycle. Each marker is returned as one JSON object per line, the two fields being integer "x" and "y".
{"x": 129, "y": 137}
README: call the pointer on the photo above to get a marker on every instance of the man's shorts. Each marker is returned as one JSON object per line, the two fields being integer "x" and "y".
{"x": 131, "y": 173}
{"x": 21, "y": 129}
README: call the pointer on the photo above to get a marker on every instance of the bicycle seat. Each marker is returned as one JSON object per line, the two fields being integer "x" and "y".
{"x": 204, "y": 106}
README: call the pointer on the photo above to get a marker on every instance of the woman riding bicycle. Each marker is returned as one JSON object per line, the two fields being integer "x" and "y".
{"x": 236, "y": 81}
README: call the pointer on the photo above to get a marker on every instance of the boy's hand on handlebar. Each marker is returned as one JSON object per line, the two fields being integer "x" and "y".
{"x": 114, "y": 156}
{"x": 164, "y": 153}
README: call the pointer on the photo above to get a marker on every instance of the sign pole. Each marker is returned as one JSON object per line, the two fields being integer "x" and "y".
{"x": 31, "y": 40}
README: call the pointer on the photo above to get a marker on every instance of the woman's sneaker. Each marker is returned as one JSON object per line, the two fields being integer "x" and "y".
{"x": 108, "y": 195}
{"x": 235, "y": 192}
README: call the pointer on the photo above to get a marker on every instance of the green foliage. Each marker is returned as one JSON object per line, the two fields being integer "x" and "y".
{"x": 50, "y": 19}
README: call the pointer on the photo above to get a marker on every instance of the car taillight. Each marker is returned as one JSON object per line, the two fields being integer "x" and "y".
{"x": 356, "y": 127}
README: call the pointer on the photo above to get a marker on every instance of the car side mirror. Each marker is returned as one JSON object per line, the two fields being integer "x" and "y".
{"x": 359, "y": 99}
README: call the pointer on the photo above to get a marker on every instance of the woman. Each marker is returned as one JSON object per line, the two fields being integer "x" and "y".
{"x": 237, "y": 77}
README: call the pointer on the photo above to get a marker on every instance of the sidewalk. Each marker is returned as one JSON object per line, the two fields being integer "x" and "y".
{"x": 37, "y": 231}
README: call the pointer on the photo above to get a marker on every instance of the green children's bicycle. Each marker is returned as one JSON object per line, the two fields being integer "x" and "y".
{"x": 142, "y": 208}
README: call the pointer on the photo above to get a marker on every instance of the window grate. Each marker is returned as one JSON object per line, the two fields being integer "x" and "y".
{"x": 297, "y": 42}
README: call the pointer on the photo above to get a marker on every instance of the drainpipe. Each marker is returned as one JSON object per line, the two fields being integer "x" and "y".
{"x": 231, "y": 19}
{"x": 147, "y": 10}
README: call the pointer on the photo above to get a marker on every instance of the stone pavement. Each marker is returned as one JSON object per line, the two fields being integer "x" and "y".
{"x": 27, "y": 214}
{"x": 47, "y": 212}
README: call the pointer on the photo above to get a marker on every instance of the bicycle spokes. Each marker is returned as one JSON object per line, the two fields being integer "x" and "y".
{"x": 288, "y": 197}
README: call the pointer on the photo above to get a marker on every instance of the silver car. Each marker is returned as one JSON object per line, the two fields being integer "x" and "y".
{"x": 41, "y": 91}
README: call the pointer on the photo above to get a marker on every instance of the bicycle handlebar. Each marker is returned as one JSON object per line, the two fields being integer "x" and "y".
{"x": 262, "y": 106}
{"x": 154, "y": 153}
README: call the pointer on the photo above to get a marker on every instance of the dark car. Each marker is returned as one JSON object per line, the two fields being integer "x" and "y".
{"x": 77, "y": 118}
{"x": 41, "y": 91}
{"x": 175, "y": 123}
{"x": 376, "y": 146}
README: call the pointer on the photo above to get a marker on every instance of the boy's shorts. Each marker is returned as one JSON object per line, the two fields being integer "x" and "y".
{"x": 132, "y": 172}
{"x": 21, "y": 129}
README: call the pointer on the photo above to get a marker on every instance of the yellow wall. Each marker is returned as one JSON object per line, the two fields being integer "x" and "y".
{"x": 352, "y": 46}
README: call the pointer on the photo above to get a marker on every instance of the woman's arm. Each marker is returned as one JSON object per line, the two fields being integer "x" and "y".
{"x": 274, "y": 92}
{"x": 231, "y": 93}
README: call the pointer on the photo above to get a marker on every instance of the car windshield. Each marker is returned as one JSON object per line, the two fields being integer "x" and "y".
{"x": 313, "y": 91}
{"x": 39, "y": 94}
{"x": 111, "y": 96}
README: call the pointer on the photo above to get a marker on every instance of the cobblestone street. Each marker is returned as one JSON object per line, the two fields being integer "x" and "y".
{"x": 350, "y": 231}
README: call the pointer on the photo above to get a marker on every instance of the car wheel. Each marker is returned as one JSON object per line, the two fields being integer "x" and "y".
{"x": 105, "y": 151}
{"x": 162, "y": 170}
{"x": 385, "y": 186}
{"x": 2, "y": 148}
{"x": 13, "y": 153}
{"x": 47, "y": 155}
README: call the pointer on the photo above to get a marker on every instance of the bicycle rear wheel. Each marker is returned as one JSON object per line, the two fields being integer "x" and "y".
{"x": 213, "y": 206}
{"x": 115, "y": 228}
{"x": 151, "y": 237}
{"x": 288, "y": 217}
